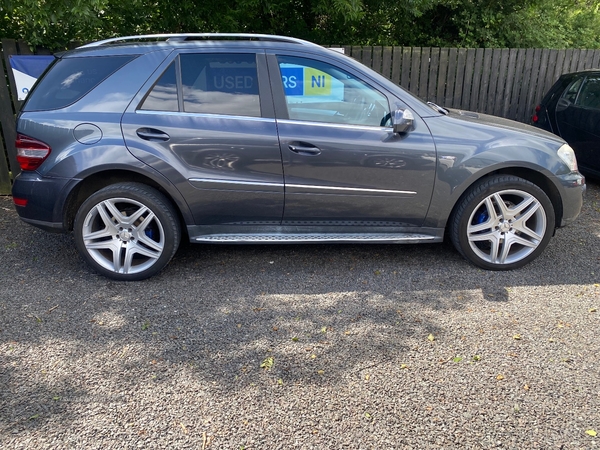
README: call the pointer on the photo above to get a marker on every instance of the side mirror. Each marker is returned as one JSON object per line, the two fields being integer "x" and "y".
{"x": 402, "y": 120}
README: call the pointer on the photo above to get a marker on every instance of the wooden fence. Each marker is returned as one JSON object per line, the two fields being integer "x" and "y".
{"x": 9, "y": 106}
{"x": 503, "y": 82}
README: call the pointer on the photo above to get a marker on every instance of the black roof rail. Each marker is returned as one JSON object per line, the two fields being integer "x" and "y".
{"x": 197, "y": 36}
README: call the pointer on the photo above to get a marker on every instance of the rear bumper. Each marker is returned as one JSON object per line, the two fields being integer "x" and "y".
{"x": 52, "y": 227}
{"x": 45, "y": 200}
{"x": 572, "y": 193}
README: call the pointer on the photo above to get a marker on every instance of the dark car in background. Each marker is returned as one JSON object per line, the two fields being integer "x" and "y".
{"x": 136, "y": 143}
{"x": 571, "y": 110}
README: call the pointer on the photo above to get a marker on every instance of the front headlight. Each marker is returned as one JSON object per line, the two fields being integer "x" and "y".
{"x": 567, "y": 154}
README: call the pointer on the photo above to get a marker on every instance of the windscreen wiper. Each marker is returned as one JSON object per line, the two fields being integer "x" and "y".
{"x": 438, "y": 108}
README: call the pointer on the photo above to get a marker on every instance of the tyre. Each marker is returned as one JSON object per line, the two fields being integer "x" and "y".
{"x": 502, "y": 223}
{"x": 127, "y": 231}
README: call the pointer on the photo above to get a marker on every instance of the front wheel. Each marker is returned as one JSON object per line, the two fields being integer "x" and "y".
{"x": 502, "y": 223}
{"x": 127, "y": 231}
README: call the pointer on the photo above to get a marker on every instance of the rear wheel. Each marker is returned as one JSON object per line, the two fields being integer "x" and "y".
{"x": 127, "y": 231}
{"x": 503, "y": 223}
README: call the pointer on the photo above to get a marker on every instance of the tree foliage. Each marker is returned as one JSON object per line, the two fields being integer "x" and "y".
{"x": 462, "y": 23}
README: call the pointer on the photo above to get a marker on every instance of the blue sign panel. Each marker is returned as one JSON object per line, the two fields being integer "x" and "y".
{"x": 307, "y": 84}
{"x": 32, "y": 65}
{"x": 293, "y": 80}
{"x": 27, "y": 69}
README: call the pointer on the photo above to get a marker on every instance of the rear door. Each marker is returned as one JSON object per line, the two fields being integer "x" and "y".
{"x": 206, "y": 122}
{"x": 343, "y": 164}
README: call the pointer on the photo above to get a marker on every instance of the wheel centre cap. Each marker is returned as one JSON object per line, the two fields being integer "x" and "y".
{"x": 125, "y": 235}
{"x": 505, "y": 227}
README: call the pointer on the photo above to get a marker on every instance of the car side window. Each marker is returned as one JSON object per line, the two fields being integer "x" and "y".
{"x": 216, "y": 83}
{"x": 589, "y": 96}
{"x": 570, "y": 94}
{"x": 320, "y": 92}
{"x": 163, "y": 96}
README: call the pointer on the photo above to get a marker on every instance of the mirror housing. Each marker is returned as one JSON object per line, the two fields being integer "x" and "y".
{"x": 403, "y": 121}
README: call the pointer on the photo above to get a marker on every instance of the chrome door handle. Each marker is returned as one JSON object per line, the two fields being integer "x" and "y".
{"x": 151, "y": 134}
{"x": 304, "y": 149}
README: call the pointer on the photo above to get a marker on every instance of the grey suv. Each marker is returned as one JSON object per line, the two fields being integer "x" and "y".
{"x": 136, "y": 142}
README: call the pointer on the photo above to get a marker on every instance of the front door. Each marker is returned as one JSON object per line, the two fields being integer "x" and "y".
{"x": 343, "y": 164}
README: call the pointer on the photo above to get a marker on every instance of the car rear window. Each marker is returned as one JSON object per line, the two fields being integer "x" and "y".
{"x": 70, "y": 79}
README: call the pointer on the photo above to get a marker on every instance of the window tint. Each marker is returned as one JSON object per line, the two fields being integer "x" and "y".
{"x": 570, "y": 93}
{"x": 70, "y": 79}
{"x": 220, "y": 84}
{"x": 319, "y": 92}
{"x": 163, "y": 96}
{"x": 589, "y": 97}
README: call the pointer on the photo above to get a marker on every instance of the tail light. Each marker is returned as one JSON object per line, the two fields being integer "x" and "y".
{"x": 31, "y": 153}
{"x": 20, "y": 201}
{"x": 535, "y": 117}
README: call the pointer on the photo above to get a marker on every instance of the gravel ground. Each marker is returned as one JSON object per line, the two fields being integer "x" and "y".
{"x": 312, "y": 347}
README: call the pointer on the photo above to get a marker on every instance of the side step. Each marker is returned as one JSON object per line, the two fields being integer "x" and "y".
{"x": 316, "y": 238}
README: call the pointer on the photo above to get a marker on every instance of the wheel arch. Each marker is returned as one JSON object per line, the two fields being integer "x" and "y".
{"x": 98, "y": 180}
{"x": 528, "y": 174}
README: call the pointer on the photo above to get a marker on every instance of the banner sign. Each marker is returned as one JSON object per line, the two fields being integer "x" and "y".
{"x": 306, "y": 84}
{"x": 27, "y": 69}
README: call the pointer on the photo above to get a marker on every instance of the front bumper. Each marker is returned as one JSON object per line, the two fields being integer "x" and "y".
{"x": 572, "y": 193}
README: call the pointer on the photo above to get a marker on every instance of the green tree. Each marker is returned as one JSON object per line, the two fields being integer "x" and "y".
{"x": 51, "y": 23}
{"x": 464, "y": 23}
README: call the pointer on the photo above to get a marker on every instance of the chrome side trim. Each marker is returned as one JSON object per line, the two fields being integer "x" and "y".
{"x": 298, "y": 186}
{"x": 208, "y": 116}
{"x": 337, "y": 125}
{"x": 237, "y": 182}
{"x": 334, "y": 188}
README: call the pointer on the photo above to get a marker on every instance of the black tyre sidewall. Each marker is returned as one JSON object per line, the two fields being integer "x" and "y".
{"x": 149, "y": 197}
{"x": 460, "y": 218}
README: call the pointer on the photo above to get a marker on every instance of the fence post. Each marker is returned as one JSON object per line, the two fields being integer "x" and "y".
{"x": 9, "y": 47}
{"x": 8, "y": 156}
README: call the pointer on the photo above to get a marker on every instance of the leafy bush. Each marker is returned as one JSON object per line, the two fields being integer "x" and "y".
{"x": 449, "y": 23}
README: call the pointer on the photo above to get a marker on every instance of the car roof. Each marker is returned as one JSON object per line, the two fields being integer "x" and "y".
{"x": 182, "y": 37}
{"x": 580, "y": 72}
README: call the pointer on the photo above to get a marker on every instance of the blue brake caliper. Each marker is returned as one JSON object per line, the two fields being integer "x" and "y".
{"x": 481, "y": 217}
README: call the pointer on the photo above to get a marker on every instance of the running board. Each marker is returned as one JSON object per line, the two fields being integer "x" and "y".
{"x": 316, "y": 238}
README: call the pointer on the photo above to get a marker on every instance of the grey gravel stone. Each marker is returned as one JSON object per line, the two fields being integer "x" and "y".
{"x": 174, "y": 362}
